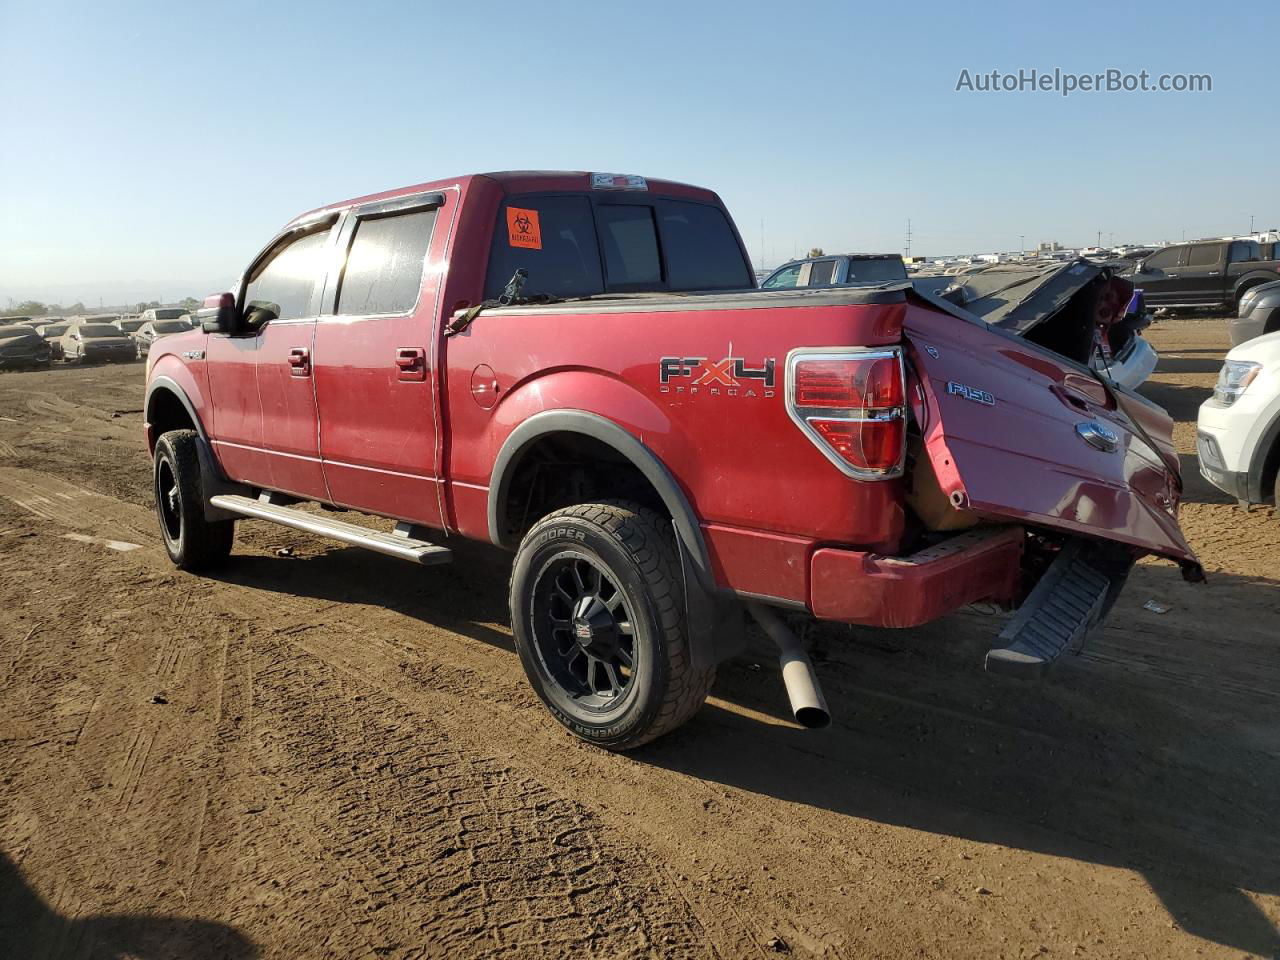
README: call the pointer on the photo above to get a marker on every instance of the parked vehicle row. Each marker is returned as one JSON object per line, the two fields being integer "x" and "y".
{"x": 103, "y": 338}
{"x": 1207, "y": 274}
{"x": 577, "y": 367}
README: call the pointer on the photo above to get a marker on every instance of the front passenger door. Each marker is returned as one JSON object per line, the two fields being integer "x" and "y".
{"x": 265, "y": 424}
{"x": 1159, "y": 277}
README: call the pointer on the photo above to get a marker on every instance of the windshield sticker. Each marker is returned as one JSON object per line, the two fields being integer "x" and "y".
{"x": 523, "y": 229}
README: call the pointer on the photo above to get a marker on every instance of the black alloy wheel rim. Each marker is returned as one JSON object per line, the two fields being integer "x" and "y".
{"x": 167, "y": 500}
{"x": 583, "y": 633}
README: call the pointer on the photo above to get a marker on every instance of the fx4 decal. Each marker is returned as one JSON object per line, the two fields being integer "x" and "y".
{"x": 730, "y": 377}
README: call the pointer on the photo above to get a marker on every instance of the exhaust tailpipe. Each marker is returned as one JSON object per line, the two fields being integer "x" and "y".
{"x": 808, "y": 705}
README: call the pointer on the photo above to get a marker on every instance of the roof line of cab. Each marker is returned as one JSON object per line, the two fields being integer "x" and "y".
{"x": 511, "y": 181}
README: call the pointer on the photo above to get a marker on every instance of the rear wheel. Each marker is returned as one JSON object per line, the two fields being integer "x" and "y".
{"x": 192, "y": 542}
{"x": 597, "y": 608}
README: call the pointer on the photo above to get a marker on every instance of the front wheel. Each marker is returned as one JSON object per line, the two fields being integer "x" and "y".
{"x": 597, "y": 608}
{"x": 192, "y": 541}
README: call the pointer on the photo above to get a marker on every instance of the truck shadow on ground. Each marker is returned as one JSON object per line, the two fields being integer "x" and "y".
{"x": 29, "y": 927}
{"x": 1155, "y": 752}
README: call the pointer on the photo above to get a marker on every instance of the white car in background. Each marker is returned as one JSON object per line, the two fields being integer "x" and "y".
{"x": 1238, "y": 433}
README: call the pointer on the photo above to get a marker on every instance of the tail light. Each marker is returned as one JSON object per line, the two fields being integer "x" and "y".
{"x": 851, "y": 404}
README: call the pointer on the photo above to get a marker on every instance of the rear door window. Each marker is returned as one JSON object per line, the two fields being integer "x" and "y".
{"x": 629, "y": 242}
{"x": 821, "y": 272}
{"x": 384, "y": 264}
{"x": 1204, "y": 255}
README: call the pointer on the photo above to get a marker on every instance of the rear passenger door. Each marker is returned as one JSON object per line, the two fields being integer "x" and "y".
{"x": 1204, "y": 276}
{"x": 375, "y": 358}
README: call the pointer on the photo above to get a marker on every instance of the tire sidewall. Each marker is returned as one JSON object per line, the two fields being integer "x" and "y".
{"x": 563, "y": 536}
{"x": 166, "y": 454}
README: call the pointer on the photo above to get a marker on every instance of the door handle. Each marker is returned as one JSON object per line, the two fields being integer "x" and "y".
{"x": 1215, "y": 273}
{"x": 412, "y": 363}
{"x": 299, "y": 361}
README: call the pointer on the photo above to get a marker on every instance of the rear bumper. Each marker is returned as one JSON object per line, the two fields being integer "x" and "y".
{"x": 874, "y": 590}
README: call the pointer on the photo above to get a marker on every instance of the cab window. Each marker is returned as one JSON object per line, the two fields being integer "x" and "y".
{"x": 560, "y": 256}
{"x": 1204, "y": 255}
{"x": 1165, "y": 259}
{"x": 821, "y": 272}
{"x": 629, "y": 242}
{"x": 384, "y": 267}
{"x": 286, "y": 281}
{"x": 1244, "y": 251}
{"x": 786, "y": 277}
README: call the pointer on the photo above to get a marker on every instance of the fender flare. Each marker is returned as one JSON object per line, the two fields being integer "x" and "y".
{"x": 212, "y": 480}
{"x": 693, "y": 548}
{"x": 171, "y": 386}
{"x": 1253, "y": 278}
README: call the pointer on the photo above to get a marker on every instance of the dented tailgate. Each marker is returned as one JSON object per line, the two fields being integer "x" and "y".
{"x": 1014, "y": 432}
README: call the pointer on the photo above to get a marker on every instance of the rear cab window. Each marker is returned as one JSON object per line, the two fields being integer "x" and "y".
{"x": 876, "y": 270}
{"x": 1244, "y": 251}
{"x": 581, "y": 245}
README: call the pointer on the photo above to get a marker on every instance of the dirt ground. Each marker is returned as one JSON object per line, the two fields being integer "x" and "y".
{"x": 334, "y": 754}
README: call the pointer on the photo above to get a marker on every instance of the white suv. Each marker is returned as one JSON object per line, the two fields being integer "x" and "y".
{"x": 1238, "y": 434}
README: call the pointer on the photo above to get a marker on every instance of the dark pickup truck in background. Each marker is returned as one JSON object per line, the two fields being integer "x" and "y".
{"x": 1207, "y": 274}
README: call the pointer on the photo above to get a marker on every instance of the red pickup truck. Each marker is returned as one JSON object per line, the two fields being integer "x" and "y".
{"x": 575, "y": 367}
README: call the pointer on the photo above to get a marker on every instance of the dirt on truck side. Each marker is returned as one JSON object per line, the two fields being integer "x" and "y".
{"x": 325, "y": 752}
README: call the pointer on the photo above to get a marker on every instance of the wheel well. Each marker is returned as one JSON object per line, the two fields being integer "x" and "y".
{"x": 562, "y": 469}
{"x": 166, "y": 412}
{"x": 1270, "y": 467}
{"x": 1245, "y": 288}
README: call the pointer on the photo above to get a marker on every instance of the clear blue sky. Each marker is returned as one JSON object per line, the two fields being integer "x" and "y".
{"x": 153, "y": 147}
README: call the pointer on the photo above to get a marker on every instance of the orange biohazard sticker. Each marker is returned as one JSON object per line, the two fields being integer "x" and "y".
{"x": 523, "y": 229}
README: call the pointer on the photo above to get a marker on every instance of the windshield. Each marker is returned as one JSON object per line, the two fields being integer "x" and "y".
{"x": 54, "y": 329}
{"x": 580, "y": 245}
{"x": 170, "y": 326}
{"x": 15, "y": 333}
{"x": 129, "y": 326}
{"x": 169, "y": 313}
{"x": 876, "y": 269}
{"x": 97, "y": 331}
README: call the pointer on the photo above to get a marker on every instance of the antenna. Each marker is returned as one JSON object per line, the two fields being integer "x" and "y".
{"x": 908, "y": 247}
{"x": 762, "y": 243}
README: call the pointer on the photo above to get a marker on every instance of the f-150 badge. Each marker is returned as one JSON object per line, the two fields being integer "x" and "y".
{"x": 970, "y": 393}
{"x": 729, "y": 377}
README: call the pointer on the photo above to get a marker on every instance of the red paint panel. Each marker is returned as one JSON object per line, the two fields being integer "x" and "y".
{"x": 752, "y": 561}
{"x": 1020, "y": 457}
{"x": 857, "y": 587}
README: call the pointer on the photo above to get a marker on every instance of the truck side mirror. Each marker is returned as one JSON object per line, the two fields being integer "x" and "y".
{"x": 218, "y": 315}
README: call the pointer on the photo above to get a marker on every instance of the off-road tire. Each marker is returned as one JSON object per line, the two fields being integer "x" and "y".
{"x": 635, "y": 546}
{"x": 192, "y": 541}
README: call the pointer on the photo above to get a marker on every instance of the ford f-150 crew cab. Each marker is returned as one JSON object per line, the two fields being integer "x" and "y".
{"x": 576, "y": 367}
{"x": 1208, "y": 274}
